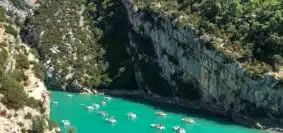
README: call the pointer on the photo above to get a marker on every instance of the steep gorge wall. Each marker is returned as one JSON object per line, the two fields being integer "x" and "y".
{"x": 172, "y": 61}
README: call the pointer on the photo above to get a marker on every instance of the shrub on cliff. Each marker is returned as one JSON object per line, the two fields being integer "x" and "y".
{"x": 34, "y": 103}
{"x": 52, "y": 124}
{"x": 38, "y": 125}
{"x": 38, "y": 70}
{"x": 22, "y": 61}
{"x": 14, "y": 95}
{"x": 11, "y": 30}
{"x": 2, "y": 15}
{"x": 73, "y": 48}
{"x": 251, "y": 29}
{"x": 3, "y": 58}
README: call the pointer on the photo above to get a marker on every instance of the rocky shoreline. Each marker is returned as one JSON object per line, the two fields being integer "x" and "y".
{"x": 197, "y": 105}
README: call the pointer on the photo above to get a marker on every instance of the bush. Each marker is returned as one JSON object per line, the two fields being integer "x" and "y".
{"x": 3, "y": 58}
{"x": 52, "y": 124}
{"x": 18, "y": 75}
{"x": 3, "y": 113}
{"x": 38, "y": 71}
{"x": 38, "y": 125}
{"x": 22, "y": 61}
{"x": 23, "y": 130}
{"x": 11, "y": 30}
{"x": 20, "y": 124}
{"x": 14, "y": 95}
{"x": 71, "y": 130}
{"x": 2, "y": 15}
{"x": 28, "y": 116}
{"x": 34, "y": 103}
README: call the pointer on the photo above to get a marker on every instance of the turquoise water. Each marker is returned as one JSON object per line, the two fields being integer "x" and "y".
{"x": 85, "y": 121}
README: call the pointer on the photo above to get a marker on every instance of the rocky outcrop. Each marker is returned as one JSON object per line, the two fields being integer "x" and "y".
{"x": 18, "y": 64}
{"x": 172, "y": 61}
{"x": 19, "y": 9}
{"x": 17, "y": 120}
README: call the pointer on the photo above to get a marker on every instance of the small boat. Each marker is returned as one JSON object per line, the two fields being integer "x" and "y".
{"x": 66, "y": 122}
{"x": 70, "y": 95}
{"x": 132, "y": 115}
{"x": 152, "y": 125}
{"x": 107, "y": 98}
{"x": 188, "y": 120}
{"x": 158, "y": 126}
{"x": 160, "y": 113}
{"x": 103, "y": 113}
{"x": 111, "y": 120}
{"x": 103, "y": 103}
{"x": 90, "y": 107}
{"x": 176, "y": 128}
{"x": 55, "y": 102}
{"x": 96, "y": 105}
{"x": 181, "y": 130}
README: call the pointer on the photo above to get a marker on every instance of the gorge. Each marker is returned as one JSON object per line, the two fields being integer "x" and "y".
{"x": 124, "y": 48}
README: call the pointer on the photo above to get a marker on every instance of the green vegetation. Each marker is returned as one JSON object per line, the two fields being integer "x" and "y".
{"x": 250, "y": 29}
{"x": 10, "y": 86}
{"x": 11, "y": 30}
{"x": 71, "y": 130}
{"x": 38, "y": 70}
{"x": 22, "y": 61}
{"x": 73, "y": 48}
{"x": 2, "y": 15}
{"x": 52, "y": 124}
{"x": 11, "y": 81}
{"x": 38, "y": 125}
{"x": 15, "y": 97}
{"x": 28, "y": 116}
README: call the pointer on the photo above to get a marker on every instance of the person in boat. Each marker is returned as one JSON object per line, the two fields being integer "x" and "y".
{"x": 159, "y": 126}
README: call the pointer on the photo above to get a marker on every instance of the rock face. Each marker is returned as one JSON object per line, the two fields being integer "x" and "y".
{"x": 32, "y": 88}
{"x": 172, "y": 61}
{"x": 18, "y": 9}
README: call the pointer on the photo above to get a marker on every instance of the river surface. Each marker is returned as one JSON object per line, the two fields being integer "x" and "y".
{"x": 73, "y": 108}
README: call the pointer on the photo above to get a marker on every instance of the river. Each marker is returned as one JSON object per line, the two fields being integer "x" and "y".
{"x": 72, "y": 107}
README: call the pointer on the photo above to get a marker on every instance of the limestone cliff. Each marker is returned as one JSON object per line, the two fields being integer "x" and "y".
{"x": 172, "y": 61}
{"x": 23, "y": 95}
{"x": 169, "y": 60}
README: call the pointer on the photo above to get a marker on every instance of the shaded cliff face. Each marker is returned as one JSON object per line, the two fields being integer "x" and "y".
{"x": 172, "y": 61}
